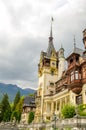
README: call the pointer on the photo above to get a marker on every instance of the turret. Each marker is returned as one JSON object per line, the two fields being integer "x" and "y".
{"x": 74, "y": 70}
{"x": 61, "y": 64}
{"x": 61, "y": 53}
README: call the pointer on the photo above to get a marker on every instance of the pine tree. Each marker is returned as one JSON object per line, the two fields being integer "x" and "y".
{"x": 16, "y": 113}
{"x": 16, "y": 100}
{"x": 5, "y": 109}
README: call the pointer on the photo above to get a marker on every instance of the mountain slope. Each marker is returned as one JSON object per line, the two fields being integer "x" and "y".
{"x": 11, "y": 90}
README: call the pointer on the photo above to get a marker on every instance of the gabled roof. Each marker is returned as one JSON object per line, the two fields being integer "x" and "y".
{"x": 29, "y": 101}
{"x": 76, "y": 50}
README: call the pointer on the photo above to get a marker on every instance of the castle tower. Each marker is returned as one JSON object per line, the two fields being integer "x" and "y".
{"x": 48, "y": 65}
{"x": 61, "y": 64}
{"x": 47, "y": 74}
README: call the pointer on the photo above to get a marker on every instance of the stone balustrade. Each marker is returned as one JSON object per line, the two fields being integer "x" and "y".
{"x": 79, "y": 122}
{"x": 76, "y": 122}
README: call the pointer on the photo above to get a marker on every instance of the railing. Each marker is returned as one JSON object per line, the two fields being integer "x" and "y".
{"x": 79, "y": 122}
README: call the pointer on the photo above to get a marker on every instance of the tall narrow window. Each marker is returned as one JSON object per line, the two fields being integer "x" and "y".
{"x": 76, "y": 75}
{"x": 72, "y": 76}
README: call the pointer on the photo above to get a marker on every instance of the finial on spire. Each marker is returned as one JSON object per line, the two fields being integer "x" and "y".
{"x": 74, "y": 42}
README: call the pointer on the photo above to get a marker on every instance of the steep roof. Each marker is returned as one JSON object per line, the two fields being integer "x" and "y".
{"x": 76, "y": 50}
{"x": 29, "y": 101}
{"x": 50, "y": 45}
{"x": 50, "y": 48}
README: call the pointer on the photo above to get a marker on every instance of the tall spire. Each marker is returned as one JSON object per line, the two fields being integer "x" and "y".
{"x": 51, "y": 37}
{"x": 50, "y": 45}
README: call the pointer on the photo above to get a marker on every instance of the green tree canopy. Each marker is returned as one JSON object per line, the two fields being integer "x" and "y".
{"x": 68, "y": 111}
{"x": 31, "y": 117}
{"x": 16, "y": 100}
{"x": 16, "y": 114}
{"x": 82, "y": 109}
{"x": 31, "y": 95}
{"x": 5, "y": 109}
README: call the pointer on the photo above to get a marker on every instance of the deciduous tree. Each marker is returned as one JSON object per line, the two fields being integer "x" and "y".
{"x": 68, "y": 111}
{"x": 30, "y": 117}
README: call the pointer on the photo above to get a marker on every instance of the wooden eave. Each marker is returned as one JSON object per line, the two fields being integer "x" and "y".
{"x": 72, "y": 55}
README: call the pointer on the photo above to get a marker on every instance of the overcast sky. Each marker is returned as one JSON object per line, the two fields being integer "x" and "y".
{"x": 24, "y": 32}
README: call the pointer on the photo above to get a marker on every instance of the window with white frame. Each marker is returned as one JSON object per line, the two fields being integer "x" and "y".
{"x": 72, "y": 75}
{"x": 76, "y": 75}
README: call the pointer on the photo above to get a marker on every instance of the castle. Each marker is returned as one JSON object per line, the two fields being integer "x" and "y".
{"x": 56, "y": 84}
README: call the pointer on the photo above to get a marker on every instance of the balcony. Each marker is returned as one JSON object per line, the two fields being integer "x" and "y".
{"x": 76, "y": 86}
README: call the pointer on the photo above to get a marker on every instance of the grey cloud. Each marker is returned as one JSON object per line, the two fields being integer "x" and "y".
{"x": 22, "y": 65}
{"x": 19, "y": 55}
{"x": 17, "y": 14}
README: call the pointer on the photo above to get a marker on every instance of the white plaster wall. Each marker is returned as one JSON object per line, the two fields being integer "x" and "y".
{"x": 61, "y": 67}
{"x": 41, "y": 81}
{"x": 84, "y": 93}
{"x": 72, "y": 98}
